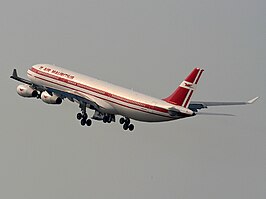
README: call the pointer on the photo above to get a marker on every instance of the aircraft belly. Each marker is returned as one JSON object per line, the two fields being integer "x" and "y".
{"x": 140, "y": 115}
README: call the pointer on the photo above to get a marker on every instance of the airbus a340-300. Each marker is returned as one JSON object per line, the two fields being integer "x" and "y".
{"x": 53, "y": 84}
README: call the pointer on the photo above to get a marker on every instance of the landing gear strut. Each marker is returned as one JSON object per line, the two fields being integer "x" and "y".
{"x": 107, "y": 118}
{"x": 126, "y": 124}
{"x": 83, "y": 116}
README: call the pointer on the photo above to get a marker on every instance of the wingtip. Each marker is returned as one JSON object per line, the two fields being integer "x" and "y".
{"x": 14, "y": 74}
{"x": 253, "y": 100}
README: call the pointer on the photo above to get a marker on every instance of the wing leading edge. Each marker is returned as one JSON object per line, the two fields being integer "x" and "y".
{"x": 79, "y": 97}
{"x": 197, "y": 105}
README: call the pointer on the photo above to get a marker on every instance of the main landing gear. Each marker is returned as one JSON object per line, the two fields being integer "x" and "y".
{"x": 126, "y": 124}
{"x": 83, "y": 116}
{"x": 107, "y": 118}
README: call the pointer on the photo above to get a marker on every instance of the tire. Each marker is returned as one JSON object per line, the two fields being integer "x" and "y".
{"x": 125, "y": 127}
{"x": 89, "y": 122}
{"x": 83, "y": 122}
{"x": 127, "y": 121}
{"x": 85, "y": 116}
{"x": 122, "y": 120}
{"x": 79, "y": 116}
{"x": 131, "y": 127}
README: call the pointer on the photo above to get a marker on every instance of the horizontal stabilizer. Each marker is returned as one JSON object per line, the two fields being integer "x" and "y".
{"x": 196, "y": 105}
{"x": 253, "y": 100}
{"x": 215, "y": 114}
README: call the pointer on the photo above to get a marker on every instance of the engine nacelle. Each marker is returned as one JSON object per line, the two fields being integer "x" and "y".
{"x": 50, "y": 99}
{"x": 26, "y": 91}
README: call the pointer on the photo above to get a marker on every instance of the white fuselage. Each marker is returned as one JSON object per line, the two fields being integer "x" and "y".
{"x": 112, "y": 99}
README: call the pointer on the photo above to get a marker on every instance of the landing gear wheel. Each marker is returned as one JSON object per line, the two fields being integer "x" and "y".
{"x": 88, "y": 122}
{"x": 122, "y": 120}
{"x": 131, "y": 127}
{"x": 127, "y": 121}
{"x": 85, "y": 116}
{"x": 83, "y": 122}
{"x": 79, "y": 116}
{"x": 125, "y": 127}
{"x": 107, "y": 118}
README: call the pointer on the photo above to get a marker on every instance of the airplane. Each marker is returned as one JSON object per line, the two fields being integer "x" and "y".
{"x": 53, "y": 84}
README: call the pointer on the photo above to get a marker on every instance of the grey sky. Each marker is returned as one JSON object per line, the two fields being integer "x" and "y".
{"x": 150, "y": 46}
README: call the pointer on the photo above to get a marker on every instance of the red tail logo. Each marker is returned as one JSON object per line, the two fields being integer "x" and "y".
{"x": 188, "y": 85}
{"x": 182, "y": 95}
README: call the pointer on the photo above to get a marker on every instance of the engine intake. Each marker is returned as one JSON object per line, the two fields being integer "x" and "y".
{"x": 26, "y": 91}
{"x": 50, "y": 99}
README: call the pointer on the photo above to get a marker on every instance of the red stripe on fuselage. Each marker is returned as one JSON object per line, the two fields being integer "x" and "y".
{"x": 125, "y": 100}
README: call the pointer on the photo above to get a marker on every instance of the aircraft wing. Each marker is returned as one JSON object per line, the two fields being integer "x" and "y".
{"x": 26, "y": 81}
{"x": 16, "y": 77}
{"x": 75, "y": 96}
{"x": 197, "y": 105}
{"x": 72, "y": 96}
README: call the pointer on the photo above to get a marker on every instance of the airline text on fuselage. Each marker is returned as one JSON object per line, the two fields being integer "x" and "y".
{"x": 52, "y": 71}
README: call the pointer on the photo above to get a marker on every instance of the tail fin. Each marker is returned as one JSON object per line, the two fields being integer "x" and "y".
{"x": 184, "y": 92}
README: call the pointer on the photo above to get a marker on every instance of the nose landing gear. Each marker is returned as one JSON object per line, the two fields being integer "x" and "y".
{"x": 126, "y": 124}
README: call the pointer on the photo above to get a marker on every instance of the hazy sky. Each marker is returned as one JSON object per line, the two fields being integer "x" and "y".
{"x": 148, "y": 45}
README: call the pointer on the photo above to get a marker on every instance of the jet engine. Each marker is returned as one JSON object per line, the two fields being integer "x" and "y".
{"x": 50, "y": 99}
{"x": 26, "y": 91}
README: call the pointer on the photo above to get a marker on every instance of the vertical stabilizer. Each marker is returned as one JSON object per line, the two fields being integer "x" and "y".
{"x": 182, "y": 95}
